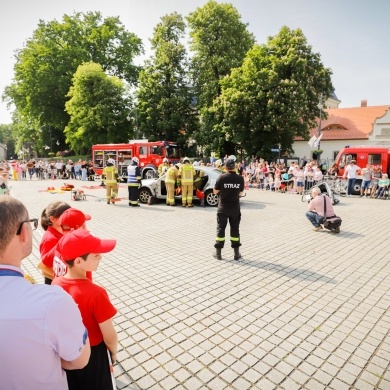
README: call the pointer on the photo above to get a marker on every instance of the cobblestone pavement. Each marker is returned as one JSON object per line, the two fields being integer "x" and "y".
{"x": 301, "y": 310}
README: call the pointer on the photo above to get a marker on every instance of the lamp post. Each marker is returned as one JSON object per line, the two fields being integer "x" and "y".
{"x": 135, "y": 112}
{"x": 320, "y": 106}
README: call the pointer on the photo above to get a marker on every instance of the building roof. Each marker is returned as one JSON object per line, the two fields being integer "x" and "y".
{"x": 348, "y": 123}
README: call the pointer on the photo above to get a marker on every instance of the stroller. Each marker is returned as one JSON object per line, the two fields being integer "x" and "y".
{"x": 325, "y": 189}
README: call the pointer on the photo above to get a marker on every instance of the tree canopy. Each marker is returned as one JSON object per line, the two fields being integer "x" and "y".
{"x": 219, "y": 41}
{"x": 46, "y": 64}
{"x": 274, "y": 95}
{"x": 73, "y": 78}
{"x": 97, "y": 108}
{"x": 164, "y": 95}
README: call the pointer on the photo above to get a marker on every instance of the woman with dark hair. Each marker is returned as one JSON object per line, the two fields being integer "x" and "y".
{"x": 53, "y": 232}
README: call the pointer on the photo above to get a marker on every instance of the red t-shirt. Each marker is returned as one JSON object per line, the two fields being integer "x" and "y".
{"x": 94, "y": 304}
{"x": 48, "y": 242}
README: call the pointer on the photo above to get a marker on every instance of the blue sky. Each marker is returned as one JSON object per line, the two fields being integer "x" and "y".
{"x": 350, "y": 35}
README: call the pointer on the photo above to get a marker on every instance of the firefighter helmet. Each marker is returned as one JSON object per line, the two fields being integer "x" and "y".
{"x": 232, "y": 157}
{"x": 110, "y": 161}
{"x": 165, "y": 160}
{"x": 135, "y": 159}
{"x": 218, "y": 163}
{"x": 186, "y": 159}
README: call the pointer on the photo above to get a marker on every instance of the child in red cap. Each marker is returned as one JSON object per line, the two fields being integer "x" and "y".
{"x": 72, "y": 219}
{"x": 81, "y": 251}
{"x": 57, "y": 219}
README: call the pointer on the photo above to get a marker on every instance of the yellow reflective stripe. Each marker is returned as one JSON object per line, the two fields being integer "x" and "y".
{"x": 220, "y": 239}
{"x": 234, "y": 238}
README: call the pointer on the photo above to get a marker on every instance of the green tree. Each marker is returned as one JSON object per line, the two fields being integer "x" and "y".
{"x": 164, "y": 97}
{"x": 219, "y": 40}
{"x": 7, "y": 138}
{"x": 45, "y": 66}
{"x": 98, "y": 108}
{"x": 273, "y": 96}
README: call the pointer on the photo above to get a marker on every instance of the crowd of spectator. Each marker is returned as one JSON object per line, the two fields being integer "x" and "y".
{"x": 279, "y": 177}
{"x": 297, "y": 178}
{"x": 45, "y": 169}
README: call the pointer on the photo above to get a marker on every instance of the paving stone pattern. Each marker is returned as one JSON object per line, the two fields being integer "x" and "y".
{"x": 301, "y": 310}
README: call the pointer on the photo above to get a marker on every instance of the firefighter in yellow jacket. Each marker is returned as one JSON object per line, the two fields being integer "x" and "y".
{"x": 163, "y": 167}
{"x": 186, "y": 177}
{"x": 110, "y": 177}
{"x": 170, "y": 181}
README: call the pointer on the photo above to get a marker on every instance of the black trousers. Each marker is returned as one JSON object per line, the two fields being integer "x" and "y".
{"x": 96, "y": 375}
{"x": 233, "y": 216}
{"x": 133, "y": 194}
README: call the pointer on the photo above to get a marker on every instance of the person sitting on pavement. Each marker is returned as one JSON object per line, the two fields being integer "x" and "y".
{"x": 316, "y": 210}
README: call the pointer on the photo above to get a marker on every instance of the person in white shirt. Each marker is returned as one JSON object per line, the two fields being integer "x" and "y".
{"x": 350, "y": 173}
{"x": 42, "y": 331}
{"x": 58, "y": 165}
{"x": 318, "y": 175}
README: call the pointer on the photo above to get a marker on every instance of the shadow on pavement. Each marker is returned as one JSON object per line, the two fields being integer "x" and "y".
{"x": 290, "y": 272}
{"x": 346, "y": 234}
{"x": 250, "y": 204}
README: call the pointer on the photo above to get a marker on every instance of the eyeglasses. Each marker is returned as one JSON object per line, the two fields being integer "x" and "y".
{"x": 33, "y": 223}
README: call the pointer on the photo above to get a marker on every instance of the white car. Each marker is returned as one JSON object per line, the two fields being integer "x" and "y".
{"x": 156, "y": 187}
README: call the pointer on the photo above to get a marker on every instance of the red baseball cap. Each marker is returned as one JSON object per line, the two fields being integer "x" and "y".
{"x": 73, "y": 218}
{"x": 81, "y": 242}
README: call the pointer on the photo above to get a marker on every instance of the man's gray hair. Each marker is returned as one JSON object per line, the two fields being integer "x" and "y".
{"x": 316, "y": 190}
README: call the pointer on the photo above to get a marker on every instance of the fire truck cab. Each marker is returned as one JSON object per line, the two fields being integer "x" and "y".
{"x": 150, "y": 155}
{"x": 375, "y": 155}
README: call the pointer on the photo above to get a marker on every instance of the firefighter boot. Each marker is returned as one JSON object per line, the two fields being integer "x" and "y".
{"x": 237, "y": 254}
{"x": 217, "y": 255}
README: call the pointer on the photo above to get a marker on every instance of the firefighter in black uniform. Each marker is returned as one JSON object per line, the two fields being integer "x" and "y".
{"x": 229, "y": 186}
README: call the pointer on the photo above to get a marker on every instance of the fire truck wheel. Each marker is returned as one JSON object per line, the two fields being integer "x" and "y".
{"x": 211, "y": 198}
{"x": 144, "y": 195}
{"x": 357, "y": 188}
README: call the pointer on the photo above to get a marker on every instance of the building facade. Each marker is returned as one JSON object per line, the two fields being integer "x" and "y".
{"x": 362, "y": 125}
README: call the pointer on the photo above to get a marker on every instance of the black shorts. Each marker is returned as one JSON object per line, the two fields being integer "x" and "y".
{"x": 96, "y": 375}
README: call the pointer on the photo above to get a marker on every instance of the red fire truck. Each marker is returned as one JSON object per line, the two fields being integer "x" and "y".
{"x": 376, "y": 155}
{"x": 150, "y": 156}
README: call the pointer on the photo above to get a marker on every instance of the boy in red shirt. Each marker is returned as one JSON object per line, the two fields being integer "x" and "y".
{"x": 81, "y": 251}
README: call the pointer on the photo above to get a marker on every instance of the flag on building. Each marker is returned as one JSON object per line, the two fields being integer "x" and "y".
{"x": 312, "y": 140}
{"x": 317, "y": 141}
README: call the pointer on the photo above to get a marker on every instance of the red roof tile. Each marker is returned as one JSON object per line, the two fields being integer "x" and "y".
{"x": 349, "y": 123}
